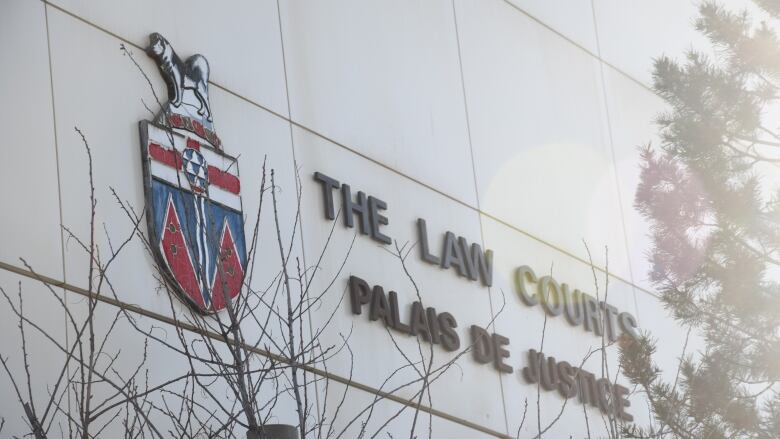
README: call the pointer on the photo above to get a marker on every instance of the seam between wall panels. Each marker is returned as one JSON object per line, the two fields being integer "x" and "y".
{"x": 56, "y": 142}
{"x": 508, "y": 2}
{"x": 476, "y": 194}
{"x": 299, "y": 195}
{"x": 614, "y": 160}
{"x": 194, "y": 329}
{"x": 375, "y": 161}
{"x": 59, "y": 180}
{"x": 617, "y": 179}
{"x": 288, "y": 118}
{"x": 578, "y": 45}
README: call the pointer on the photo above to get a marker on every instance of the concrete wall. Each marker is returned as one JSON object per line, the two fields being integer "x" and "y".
{"x": 513, "y": 123}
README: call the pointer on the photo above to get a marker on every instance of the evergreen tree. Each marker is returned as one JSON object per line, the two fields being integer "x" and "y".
{"x": 707, "y": 191}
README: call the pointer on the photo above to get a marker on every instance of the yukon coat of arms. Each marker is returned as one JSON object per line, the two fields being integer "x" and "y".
{"x": 192, "y": 188}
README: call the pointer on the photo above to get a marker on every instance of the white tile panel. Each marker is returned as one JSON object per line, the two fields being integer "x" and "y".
{"x": 633, "y": 111}
{"x": 42, "y": 308}
{"x": 383, "y": 79}
{"x": 376, "y": 356}
{"x": 241, "y": 41}
{"x": 362, "y": 411}
{"x": 572, "y": 19}
{"x": 539, "y": 130}
{"x": 128, "y": 349}
{"x": 248, "y": 132}
{"x": 30, "y": 223}
{"x": 394, "y": 97}
{"x": 530, "y": 328}
{"x": 669, "y": 336}
{"x": 633, "y": 33}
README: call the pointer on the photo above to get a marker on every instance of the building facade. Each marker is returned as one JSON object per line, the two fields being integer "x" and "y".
{"x": 495, "y": 143}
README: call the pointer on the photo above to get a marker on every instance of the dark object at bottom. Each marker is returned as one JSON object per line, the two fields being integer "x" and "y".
{"x": 274, "y": 431}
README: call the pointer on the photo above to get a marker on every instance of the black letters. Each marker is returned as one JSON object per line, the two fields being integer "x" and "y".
{"x": 610, "y": 312}
{"x": 328, "y": 184}
{"x": 628, "y": 325}
{"x": 566, "y": 385}
{"x": 531, "y": 372}
{"x": 397, "y": 324}
{"x": 379, "y": 307}
{"x": 482, "y": 348}
{"x": 592, "y": 314}
{"x": 449, "y": 338}
{"x": 488, "y": 347}
{"x": 621, "y": 402}
{"x": 433, "y": 325}
{"x": 499, "y": 353}
{"x": 425, "y": 254}
{"x": 419, "y": 322}
{"x": 521, "y": 275}
{"x": 604, "y": 392}
{"x": 359, "y": 207}
{"x": 587, "y": 386}
{"x": 359, "y": 293}
{"x": 426, "y": 324}
{"x": 377, "y": 219}
{"x": 478, "y": 264}
{"x": 550, "y": 296}
{"x": 453, "y": 256}
{"x": 578, "y": 307}
{"x": 367, "y": 208}
{"x": 572, "y": 305}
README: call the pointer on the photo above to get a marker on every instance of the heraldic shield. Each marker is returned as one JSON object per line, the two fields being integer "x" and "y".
{"x": 192, "y": 188}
